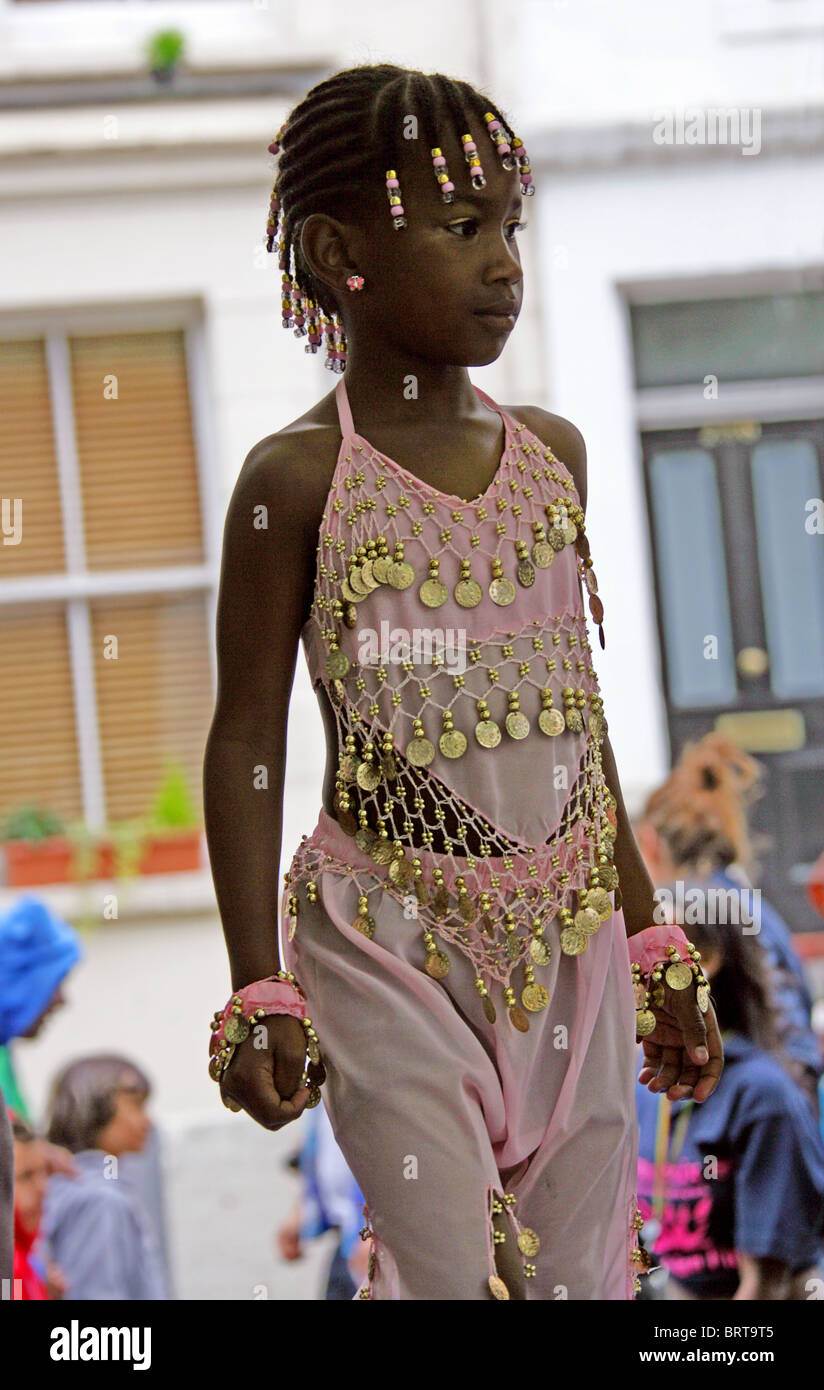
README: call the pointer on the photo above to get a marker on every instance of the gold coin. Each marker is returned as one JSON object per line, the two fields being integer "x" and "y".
{"x": 518, "y": 1019}
{"x": 488, "y": 733}
{"x": 502, "y": 591}
{"x": 349, "y": 594}
{"x": 489, "y": 1009}
{"x": 366, "y": 576}
{"x": 534, "y": 997}
{"x": 596, "y": 726}
{"x": 540, "y": 950}
{"x": 591, "y": 582}
{"x": 467, "y": 908}
{"x": 293, "y": 926}
{"x": 573, "y": 941}
{"x": 569, "y": 532}
{"x": 382, "y": 851}
{"x": 236, "y": 1029}
{"x": 702, "y": 996}
{"x": 389, "y": 767}
{"x": 313, "y": 1051}
{"x": 599, "y": 900}
{"x": 640, "y": 992}
{"x": 356, "y": 584}
{"x": 678, "y": 976}
{"x": 365, "y": 838}
{"x": 608, "y": 876}
{"x": 551, "y": 721}
{"x": 215, "y": 1066}
{"x": 440, "y": 902}
{"x": 526, "y": 573}
{"x": 379, "y": 568}
{"x": 658, "y": 995}
{"x": 452, "y": 743}
{"x": 314, "y": 1097}
{"x": 400, "y": 574}
{"x": 350, "y": 615}
{"x": 337, "y": 664}
{"x": 401, "y": 872}
{"x": 517, "y": 724}
{"x": 512, "y": 946}
{"x": 555, "y": 538}
{"x": 420, "y": 752}
{"x": 645, "y": 1023}
{"x": 574, "y": 720}
{"x": 365, "y": 925}
{"x": 587, "y": 920}
{"x": 528, "y": 1242}
{"x": 468, "y": 593}
{"x": 433, "y": 592}
{"x": 437, "y": 964}
{"x": 368, "y": 776}
{"x": 542, "y": 555}
{"x": 421, "y": 891}
{"x": 347, "y": 820}
{"x": 498, "y": 1288}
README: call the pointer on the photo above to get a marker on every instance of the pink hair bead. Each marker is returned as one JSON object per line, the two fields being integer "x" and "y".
{"x": 395, "y": 204}
{"x": 445, "y": 184}
{"x": 472, "y": 158}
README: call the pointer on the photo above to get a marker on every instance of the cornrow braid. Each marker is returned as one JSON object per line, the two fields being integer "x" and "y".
{"x": 339, "y": 145}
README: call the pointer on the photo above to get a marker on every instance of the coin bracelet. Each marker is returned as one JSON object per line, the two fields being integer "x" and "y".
{"x": 658, "y": 954}
{"x": 277, "y": 994}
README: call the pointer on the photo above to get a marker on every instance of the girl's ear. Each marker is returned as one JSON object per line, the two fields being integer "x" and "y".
{"x": 322, "y": 249}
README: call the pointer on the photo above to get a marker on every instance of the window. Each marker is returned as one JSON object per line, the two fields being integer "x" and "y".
{"x": 105, "y": 589}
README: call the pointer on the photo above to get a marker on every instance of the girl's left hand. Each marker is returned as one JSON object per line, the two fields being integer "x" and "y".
{"x": 684, "y": 1055}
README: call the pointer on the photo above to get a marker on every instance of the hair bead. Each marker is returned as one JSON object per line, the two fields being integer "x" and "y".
{"x": 395, "y": 204}
{"x": 498, "y": 136}
{"x": 526, "y": 177}
{"x": 473, "y": 160}
{"x": 442, "y": 175}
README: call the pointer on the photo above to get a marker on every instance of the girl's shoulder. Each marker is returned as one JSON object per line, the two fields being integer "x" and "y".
{"x": 295, "y": 465}
{"x": 561, "y": 436}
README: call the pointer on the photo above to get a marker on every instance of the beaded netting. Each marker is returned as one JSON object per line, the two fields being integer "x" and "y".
{"x": 484, "y": 856}
{"x": 346, "y": 137}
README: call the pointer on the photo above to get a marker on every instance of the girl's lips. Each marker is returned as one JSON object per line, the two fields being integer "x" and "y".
{"x": 498, "y": 321}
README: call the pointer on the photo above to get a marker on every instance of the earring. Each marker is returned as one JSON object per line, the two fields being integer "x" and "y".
{"x": 355, "y": 282}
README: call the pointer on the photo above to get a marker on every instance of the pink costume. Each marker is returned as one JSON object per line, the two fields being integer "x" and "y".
{"x": 473, "y": 1054}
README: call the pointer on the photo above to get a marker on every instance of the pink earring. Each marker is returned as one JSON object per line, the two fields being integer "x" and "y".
{"x": 355, "y": 282}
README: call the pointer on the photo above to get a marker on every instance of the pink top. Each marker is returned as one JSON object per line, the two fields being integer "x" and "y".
{"x": 538, "y": 799}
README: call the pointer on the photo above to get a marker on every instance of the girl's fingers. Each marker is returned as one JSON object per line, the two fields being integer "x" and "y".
{"x": 711, "y": 1071}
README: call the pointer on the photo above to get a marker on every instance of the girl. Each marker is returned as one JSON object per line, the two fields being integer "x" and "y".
{"x": 737, "y": 1185}
{"x": 32, "y": 1170}
{"x": 451, "y": 931}
{"x": 94, "y": 1222}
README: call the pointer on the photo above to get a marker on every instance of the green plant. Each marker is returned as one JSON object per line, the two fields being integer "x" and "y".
{"x": 173, "y": 808}
{"x": 31, "y": 823}
{"x": 165, "y": 48}
{"x": 84, "y": 844}
{"x": 128, "y": 838}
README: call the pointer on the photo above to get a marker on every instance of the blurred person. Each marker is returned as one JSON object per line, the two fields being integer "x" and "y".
{"x": 37, "y": 951}
{"x": 34, "y": 1276}
{"x": 96, "y": 1226}
{"x": 330, "y": 1199}
{"x": 695, "y": 825}
{"x": 735, "y": 1187}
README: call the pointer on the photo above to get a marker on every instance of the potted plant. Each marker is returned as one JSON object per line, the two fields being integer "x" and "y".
{"x": 164, "y": 49}
{"x": 37, "y": 850}
{"x": 173, "y": 829}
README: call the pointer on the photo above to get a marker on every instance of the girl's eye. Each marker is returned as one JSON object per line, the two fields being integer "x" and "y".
{"x": 472, "y": 224}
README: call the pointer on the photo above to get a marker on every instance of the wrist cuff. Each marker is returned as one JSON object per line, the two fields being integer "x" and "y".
{"x": 648, "y": 948}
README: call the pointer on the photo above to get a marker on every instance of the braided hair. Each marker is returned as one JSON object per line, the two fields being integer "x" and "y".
{"x": 336, "y": 150}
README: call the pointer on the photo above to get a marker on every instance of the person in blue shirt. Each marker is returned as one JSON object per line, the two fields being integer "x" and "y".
{"x": 695, "y": 826}
{"x": 732, "y": 1190}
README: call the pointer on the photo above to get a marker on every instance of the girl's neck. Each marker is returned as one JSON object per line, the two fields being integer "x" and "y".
{"x": 407, "y": 390}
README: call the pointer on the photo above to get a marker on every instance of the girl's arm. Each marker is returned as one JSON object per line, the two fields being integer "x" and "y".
{"x": 266, "y": 584}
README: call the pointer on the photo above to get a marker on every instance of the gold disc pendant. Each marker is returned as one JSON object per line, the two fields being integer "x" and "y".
{"x": 551, "y": 722}
{"x": 365, "y": 925}
{"x": 337, "y": 664}
{"x": 599, "y": 900}
{"x": 420, "y": 752}
{"x": 573, "y": 941}
{"x": 540, "y": 950}
{"x": 526, "y": 573}
{"x": 382, "y": 851}
{"x": 498, "y": 1288}
{"x": 518, "y": 1018}
{"x": 401, "y": 872}
{"x": 468, "y": 593}
{"x": 517, "y": 724}
{"x": 678, "y": 976}
{"x": 380, "y": 566}
{"x": 542, "y": 555}
{"x": 368, "y": 776}
{"x": 437, "y": 964}
{"x": 702, "y": 996}
{"x": 502, "y": 591}
{"x": 490, "y": 1013}
{"x": 645, "y": 1023}
{"x": 433, "y": 592}
{"x": 534, "y": 997}
{"x": 529, "y": 1242}
{"x": 400, "y": 574}
{"x": 452, "y": 743}
{"x": 488, "y": 733}
{"x": 587, "y": 920}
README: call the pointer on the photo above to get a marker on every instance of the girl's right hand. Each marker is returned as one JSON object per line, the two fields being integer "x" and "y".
{"x": 263, "y": 1077}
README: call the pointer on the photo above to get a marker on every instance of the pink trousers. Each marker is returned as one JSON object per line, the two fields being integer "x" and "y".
{"x": 436, "y": 1110}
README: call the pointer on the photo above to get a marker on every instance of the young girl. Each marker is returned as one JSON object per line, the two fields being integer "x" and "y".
{"x": 451, "y": 931}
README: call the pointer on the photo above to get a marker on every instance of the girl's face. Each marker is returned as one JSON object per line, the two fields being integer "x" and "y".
{"x": 129, "y": 1126}
{"x": 427, "y": 282}
{"x": 31, "y": 1175}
